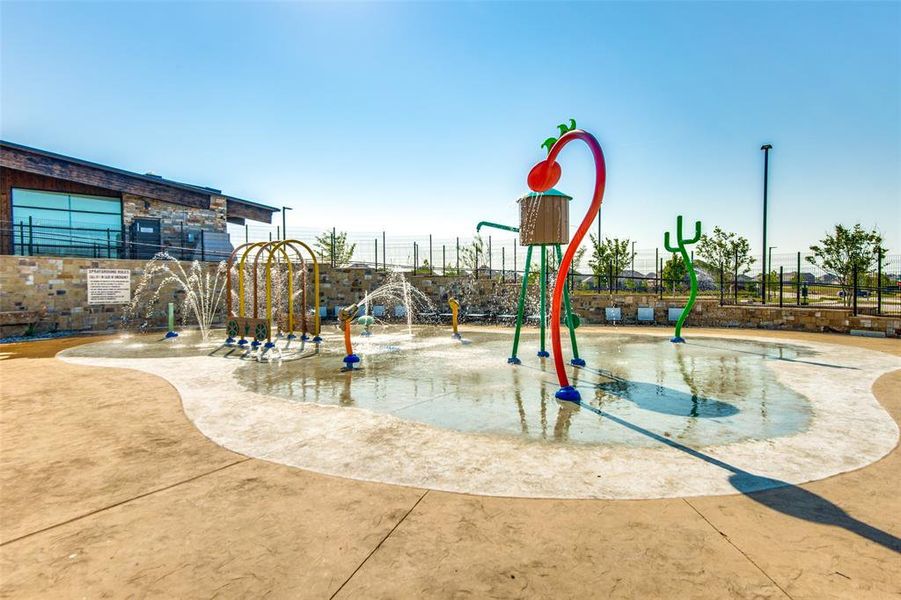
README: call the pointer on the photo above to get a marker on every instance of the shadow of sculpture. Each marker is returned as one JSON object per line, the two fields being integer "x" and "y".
{"x": 775, "y": 494}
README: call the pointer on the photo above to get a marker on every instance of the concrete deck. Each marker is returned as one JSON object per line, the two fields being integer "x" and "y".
{"x": 109, "y": 491}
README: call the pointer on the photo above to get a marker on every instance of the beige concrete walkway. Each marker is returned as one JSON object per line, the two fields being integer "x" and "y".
{"x": 109, "y": 491}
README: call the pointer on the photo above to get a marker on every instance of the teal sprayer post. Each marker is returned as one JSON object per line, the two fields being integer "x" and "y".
{"x": 170, "y": 310}
{"x": 680, "y": 248}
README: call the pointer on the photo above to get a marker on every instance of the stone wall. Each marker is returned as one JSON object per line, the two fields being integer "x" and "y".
{"x": 57, "y": 288}
{"x": 174, "y": 217}
{"x": 708, "y": 313}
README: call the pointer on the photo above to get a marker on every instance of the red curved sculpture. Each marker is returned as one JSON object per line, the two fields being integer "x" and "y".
{"x": 542, "y": 177}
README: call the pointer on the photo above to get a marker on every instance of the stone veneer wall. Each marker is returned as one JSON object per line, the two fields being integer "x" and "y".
{"x": 173, "y": 216}
{"x": 59, "y": 285}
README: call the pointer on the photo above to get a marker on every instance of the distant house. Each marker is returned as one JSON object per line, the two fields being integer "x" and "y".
{"x": 57, "y": 205}
{"x": 828, "y": 278}
{"x": 805, "y": 277}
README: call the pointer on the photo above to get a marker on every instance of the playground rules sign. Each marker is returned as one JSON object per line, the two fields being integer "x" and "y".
{"x": 109, "y": 286}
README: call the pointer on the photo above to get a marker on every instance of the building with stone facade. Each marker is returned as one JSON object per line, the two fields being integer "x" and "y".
{"x": 56, "y": 205}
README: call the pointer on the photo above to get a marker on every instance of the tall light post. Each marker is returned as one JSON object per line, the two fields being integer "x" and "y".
{"x": 285, "y": 229}
{"x": 766, "y": 174}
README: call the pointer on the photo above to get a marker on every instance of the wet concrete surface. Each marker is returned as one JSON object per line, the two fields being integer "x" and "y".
{"x": 109, "y": 491}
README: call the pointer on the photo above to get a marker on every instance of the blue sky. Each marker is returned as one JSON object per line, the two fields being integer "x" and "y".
{"x": 425, "y": 117}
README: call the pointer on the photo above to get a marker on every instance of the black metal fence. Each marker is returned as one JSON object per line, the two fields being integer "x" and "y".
{"x": 792, "y": 281}
{"x": 24, "y": 238}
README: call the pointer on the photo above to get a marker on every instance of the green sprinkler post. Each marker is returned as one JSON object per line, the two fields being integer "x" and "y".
{"x": 680, "y": 247}
{"x": 170, "y": 313}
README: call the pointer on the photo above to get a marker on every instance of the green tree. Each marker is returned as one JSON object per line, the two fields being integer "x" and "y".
{"x": 336, "y": 249}
{"x": 675, "y": 272}
{"x": 472, "y": 255}
{"x": 847, "y": 250}
{"x": 611, "y": 256}
{"x": 724, "y": 250}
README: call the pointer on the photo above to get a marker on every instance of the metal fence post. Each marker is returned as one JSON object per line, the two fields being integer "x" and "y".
{"x": 109, "y": 243}
{"x": 735, "y": 278}
{"x": 722, "y": 282}
{"x": 879, "y": 280}
{"x": 781, "y": 283}
{"x": 489, "y": 257}
{"x": 443, "y": 260}
{"x": 430, "y": 255}
{"x": 415, "y": 258}
{"x": 246, "y": 233}
{"x": 384, "y": 252}
{"x": 514, "y": 259}
{"x": 376, "y": 246}
{"x": 202, "y": 247}
{"x": 334, "y": 252}
{"x": 30, "y": 236}
{"x": 458, "y": 257}
{"x": 476, "y": 253}
{"x": 503, "y": 265}
{"x": 854, "y": 289}
{"x": 657, "y": 274}
{"x": 662, "y": 282}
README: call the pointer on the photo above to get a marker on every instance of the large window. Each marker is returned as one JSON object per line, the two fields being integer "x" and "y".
{"x": 65, "y": 224}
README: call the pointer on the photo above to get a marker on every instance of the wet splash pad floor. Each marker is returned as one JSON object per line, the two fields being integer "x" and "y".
{"x": 713, "y": 416}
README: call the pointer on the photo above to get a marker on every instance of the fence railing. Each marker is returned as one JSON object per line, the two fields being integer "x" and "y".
{"x": 25, "y": 238}
{"x": 792, "y": 281}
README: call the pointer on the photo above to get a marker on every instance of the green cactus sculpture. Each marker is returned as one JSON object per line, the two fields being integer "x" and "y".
{"x": 680, "y": 247}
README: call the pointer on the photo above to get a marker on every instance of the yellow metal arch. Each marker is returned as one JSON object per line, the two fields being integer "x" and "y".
{"x": 291, "y": 244}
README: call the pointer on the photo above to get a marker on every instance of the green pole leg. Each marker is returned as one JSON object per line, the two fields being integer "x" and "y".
{"x": 543, "y": 278}
{"x": 513, "y": 360}
{"x": 570, "y": 318}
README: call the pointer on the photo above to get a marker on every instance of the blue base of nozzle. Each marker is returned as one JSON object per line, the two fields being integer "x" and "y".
{"x": 229, "y": 341}
{"x": 304, "y": 338}
{"x": 543, "y": 354}
{"x": 171, "y": 334}
{"x": 456, "y": 336}
{"x": 242, "y": 342}
{"x": 513, "y": 361}
{"x": 317, "y": 339}
{"x": 351, "y": 359}
{"x": 254, "y": 344}
{"x": 568, "y": 394}
{"x": 291, "y": 336}
{"x": 678, "y": 340}
{"x": 268, "y": 345}
{"x": 365, "y": 333}
{"x": 577, "y": 362}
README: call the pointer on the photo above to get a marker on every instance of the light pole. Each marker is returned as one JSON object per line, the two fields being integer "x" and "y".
{"x": 766, "y": 174}
{"x": 285, "y": 229}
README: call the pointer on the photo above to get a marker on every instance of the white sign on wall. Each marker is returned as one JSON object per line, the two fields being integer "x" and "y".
{"x": 109, "y": 286}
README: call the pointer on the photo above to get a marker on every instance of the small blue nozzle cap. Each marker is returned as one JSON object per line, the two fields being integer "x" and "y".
{"x": 568, "y": 394}
{"x": 678, "y": 340}
{"x": 577, "y": 362}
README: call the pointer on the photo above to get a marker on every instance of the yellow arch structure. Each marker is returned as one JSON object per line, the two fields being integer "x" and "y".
{"x": 272, "y": 249}
{"x": 293, "y": 245}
